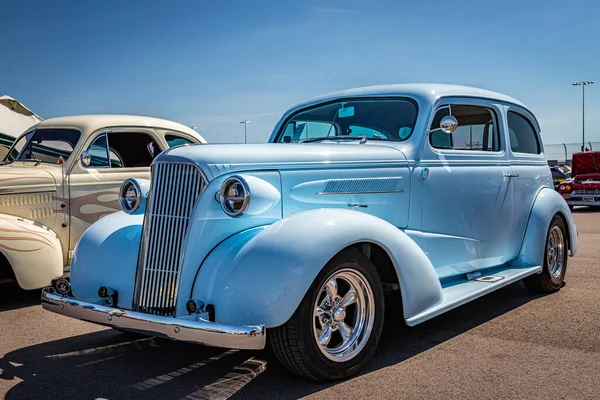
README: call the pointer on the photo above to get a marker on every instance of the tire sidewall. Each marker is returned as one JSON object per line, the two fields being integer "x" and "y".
{"x": 328, "y": 369}
{"x": 557, "y": 281}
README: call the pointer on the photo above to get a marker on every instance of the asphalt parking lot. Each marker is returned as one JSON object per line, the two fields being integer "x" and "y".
{"x": 509, "y": 344}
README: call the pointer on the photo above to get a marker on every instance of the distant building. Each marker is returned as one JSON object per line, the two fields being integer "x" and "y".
{"x": 15, "y": 118}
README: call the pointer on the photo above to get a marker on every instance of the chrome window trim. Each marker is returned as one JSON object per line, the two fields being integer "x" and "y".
{"x": 33, "y": 130}
{"x": 490, "y": 107}
{"x": 280, "y": 126}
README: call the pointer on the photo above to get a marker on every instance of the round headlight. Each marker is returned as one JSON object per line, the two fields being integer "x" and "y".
{"x": 234, "y": 196}
{"x": 130, "y": 196}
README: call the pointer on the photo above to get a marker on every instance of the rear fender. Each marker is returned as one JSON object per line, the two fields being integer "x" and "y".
{"x": 547, "y": 204}
{"x": 262, "y": 274}
{"x": 33, "y": 251}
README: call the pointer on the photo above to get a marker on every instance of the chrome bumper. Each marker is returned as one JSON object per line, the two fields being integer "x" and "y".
{"x": 187, "y": 329}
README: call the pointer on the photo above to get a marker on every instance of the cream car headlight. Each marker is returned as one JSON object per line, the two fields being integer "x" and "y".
{"x": 130, "y": 196}
{"x": 234, "y": 196}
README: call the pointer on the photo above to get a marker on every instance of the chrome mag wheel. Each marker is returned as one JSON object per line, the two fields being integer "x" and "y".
{"x": 555, "y": 251}
{"x": 343, "y": 316}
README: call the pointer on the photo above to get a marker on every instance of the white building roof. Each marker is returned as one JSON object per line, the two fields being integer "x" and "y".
{"x": 15, "y": 118}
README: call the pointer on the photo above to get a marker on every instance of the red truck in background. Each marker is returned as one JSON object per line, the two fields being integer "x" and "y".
{"x": 583, "y": 189}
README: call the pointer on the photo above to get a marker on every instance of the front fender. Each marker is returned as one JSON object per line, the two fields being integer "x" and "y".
{"x": 261, "y": 275}
{"x": 547, "y": 204}
{"x": 106, "y": 255}
{"x": 33, "y": 251}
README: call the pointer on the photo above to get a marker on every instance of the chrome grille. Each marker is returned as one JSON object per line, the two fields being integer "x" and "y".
{"x": 173, "y": 192}
{"x": 586, "y": 192}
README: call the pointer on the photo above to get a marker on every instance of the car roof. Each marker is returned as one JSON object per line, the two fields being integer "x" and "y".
{"x": 90, "y": 123}
{"x": 425, "y": 92}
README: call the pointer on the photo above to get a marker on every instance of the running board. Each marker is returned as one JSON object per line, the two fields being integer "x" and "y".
{"x": 462, "y": 292}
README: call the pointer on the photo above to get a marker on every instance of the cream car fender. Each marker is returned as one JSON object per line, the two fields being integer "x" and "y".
{"x": 33, "y": 251}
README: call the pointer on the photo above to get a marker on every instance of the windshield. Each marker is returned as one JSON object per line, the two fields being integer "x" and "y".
{"x": 375, "y": 119}
{"x": 16, "y": 148}
{"x": 46, "y": 145}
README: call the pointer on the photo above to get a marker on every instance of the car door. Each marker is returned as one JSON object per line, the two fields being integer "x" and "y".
{"x": 530, "y": 170}
{"x": 116, "y": 154}
{"x": 467, "y": 205}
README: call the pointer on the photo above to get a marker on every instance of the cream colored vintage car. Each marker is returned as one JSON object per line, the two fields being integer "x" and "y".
{"x": 62, "y": 175}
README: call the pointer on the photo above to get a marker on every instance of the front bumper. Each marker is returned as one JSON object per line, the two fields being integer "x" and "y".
{"x": 574, "y": 201}
{"x": 188, "y": 329}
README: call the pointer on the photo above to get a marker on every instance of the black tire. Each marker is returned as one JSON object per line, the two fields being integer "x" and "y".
{"x": 546, "y": 282}
{"x": 295, "y": 344}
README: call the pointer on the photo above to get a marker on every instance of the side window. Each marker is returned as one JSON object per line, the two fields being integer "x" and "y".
{"x": 99, "y": 152}
{"x": 437, "y": 138}
{"x": 174, "y": 140}
{"x": 523, "y": 137}
{"x": 477, "y": 129}
{"x": 131, "y": 149}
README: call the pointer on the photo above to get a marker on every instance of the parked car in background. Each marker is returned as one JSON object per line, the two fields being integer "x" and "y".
{"x": 558, "y": 175}
{"x": 441, "y": 193}
{"x": 61, "y": 176}
{"x": 583, "y": 189}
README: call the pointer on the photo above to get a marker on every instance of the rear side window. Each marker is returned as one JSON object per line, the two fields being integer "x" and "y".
{"x": 477, "y": 129}
{"x": 174, "y": 140}
{"x": 523, "y": 137}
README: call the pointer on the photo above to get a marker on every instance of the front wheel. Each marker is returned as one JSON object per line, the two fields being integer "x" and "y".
{"x": 554, "y": 267}
{"x": 337, "y": 326}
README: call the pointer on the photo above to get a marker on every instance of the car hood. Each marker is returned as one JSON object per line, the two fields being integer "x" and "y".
{"x": 25, "y": 178}
{"x": 585, "y": 163}
{"x": 220, "y": 159}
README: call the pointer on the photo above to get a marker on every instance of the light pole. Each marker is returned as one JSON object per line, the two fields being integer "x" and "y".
{"x": 245, "y": 122}
{"x": 583, "y": 84}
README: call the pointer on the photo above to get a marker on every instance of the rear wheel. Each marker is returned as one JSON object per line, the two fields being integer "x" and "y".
{"x": 554, "y": 267}
{"x": 337, "y": 326}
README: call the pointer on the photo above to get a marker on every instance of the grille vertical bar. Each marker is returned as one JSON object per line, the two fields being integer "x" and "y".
{"x": 173, "y": 192}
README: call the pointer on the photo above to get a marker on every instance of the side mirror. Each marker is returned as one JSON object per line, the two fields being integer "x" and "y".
{"x": 86, "y": 158}
{"x": 448, "y": 124}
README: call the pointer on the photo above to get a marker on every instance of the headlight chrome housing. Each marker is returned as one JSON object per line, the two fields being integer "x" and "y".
{"x": 130, "y": 196}
{"x": 234, "y": 196}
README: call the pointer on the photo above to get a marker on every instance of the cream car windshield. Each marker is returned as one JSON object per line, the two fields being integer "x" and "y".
{"x": 44, "y": 145}
{"x": 385, "y": 119}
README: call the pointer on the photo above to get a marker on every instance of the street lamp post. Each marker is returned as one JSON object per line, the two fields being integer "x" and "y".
{"x": 583, "y": 84}
{"x": 245, "y": 122}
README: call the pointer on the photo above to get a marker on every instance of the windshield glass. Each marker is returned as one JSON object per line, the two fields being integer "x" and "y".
{"x": 16, "y": 148}
{"x": 46, "y": 145}
{"x": 375, "y": 119}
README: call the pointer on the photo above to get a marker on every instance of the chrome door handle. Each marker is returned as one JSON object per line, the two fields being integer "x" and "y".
{"x": 511, "y": 175}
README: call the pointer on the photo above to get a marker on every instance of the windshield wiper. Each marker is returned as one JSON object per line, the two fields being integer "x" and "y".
{"x": 36, "y": 160}
{"x": 362, "y": 138}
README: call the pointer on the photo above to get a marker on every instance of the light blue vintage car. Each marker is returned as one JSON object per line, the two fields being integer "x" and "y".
{"x": 439, "y": 192}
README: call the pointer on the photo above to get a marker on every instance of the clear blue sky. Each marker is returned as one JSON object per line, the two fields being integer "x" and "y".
{"x": 214, "y": 63}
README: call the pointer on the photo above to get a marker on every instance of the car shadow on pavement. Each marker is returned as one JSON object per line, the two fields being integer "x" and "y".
{"x": 12, "y": 297}
{"x": 109, "y": 364}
